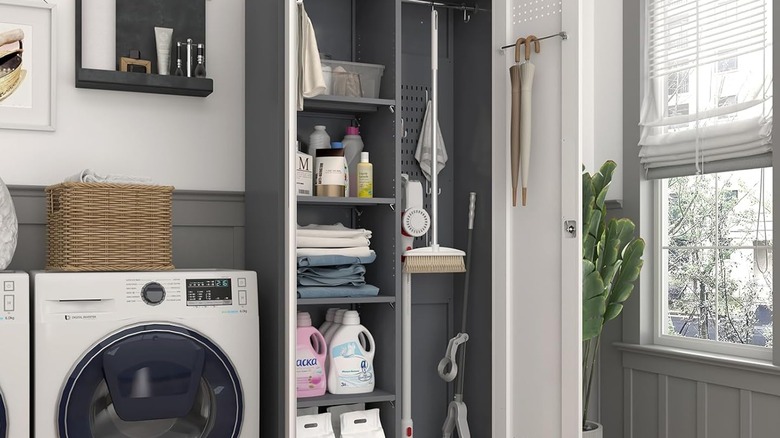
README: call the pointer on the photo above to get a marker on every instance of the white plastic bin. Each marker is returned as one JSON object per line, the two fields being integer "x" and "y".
{"x": 370, "y": 76}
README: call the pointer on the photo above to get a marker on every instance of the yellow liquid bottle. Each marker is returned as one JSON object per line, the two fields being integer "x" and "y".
{"x": 365, "y": 177}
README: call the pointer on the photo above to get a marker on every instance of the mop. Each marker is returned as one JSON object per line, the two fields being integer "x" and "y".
{"x": 457, "y": 412}
{"x": 432, "y": 259}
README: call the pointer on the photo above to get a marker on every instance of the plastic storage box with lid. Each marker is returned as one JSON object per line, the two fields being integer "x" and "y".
{"x": 370, "y": 75}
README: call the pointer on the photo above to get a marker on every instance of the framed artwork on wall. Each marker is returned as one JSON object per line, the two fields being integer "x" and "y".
{"x": 28, "y": 66}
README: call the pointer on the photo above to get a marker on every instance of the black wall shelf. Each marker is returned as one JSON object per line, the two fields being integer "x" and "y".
{"x": 135, "y": 82}
{"x": 143, "y": 83}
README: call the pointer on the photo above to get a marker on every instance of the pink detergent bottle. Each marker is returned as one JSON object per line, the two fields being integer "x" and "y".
{"x": 310, "y": 353}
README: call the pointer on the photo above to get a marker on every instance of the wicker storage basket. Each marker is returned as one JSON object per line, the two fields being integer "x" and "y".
{"x": 109, "y": 227}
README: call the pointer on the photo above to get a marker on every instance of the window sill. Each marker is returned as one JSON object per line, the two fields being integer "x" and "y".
{"x": 701, "y": 357}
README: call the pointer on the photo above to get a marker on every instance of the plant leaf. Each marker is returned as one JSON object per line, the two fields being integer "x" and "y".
{"x": 613, "y": 310}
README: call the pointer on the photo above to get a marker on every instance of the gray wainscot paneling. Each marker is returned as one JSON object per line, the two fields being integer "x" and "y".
{"x": 674, "y": 393}
{"x": 208, "y": 229}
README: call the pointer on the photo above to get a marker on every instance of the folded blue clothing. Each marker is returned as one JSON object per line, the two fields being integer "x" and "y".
{"x": 332, "y": 271}
{"x": 335, "y": 260}
{"x": 366, "y": 290}
{"x": 358, "y": 280}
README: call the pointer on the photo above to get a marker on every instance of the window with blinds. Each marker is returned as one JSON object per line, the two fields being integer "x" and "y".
{"x": 708, "y": 87}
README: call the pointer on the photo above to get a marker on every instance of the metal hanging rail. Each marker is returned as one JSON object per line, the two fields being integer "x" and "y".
{"x": 563, "y": 35}
{"x": 457, "y": 6}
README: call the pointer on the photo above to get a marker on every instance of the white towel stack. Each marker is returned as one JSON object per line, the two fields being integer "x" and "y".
{"x": 314, "y": 240}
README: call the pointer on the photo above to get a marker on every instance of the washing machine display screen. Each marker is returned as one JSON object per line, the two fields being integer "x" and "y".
{"x": 209, "y": 292}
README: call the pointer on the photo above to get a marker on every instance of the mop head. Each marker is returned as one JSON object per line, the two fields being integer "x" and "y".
{"x": 439, "y": 260}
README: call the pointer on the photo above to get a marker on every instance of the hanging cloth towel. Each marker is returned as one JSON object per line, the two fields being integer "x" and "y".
{"x": 310, "y": 80}
{"x": 424, "y": 152}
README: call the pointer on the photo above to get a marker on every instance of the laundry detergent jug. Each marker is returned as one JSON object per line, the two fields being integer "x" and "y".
{"x": 310, "y": 354}
{"x": 351, "y": 357}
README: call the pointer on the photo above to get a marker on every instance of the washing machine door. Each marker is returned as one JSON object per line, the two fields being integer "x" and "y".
{"x": 3, "y": 417}
{"x": 152, "y": 381}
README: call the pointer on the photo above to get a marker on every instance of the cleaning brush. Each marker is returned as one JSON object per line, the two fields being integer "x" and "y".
{"x": 434, "y": 259}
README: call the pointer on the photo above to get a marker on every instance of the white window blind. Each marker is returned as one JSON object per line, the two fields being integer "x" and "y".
{"x": 708, "y": 87}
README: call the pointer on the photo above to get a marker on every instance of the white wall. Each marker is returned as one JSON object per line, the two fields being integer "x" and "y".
{"x": 607, "y": 49}
{"x": 188, "y": 142}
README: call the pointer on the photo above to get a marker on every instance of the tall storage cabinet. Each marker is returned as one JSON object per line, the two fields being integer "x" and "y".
{"x": 363, "y": 31}
{"x": 396, "y": 35}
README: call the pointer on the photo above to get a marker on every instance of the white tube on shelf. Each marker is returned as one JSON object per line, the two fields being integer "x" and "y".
{"x": 163, "y": 37}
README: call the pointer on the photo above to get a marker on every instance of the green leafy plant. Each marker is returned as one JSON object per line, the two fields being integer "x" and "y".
{"x": 611, "y": 262}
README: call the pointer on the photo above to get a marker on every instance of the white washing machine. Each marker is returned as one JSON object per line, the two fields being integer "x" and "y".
{"x": 146, "y": 354}
{"x": 15, "y": 355}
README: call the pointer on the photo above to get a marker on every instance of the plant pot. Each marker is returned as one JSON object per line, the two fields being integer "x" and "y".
{"x": 598, "y": 432}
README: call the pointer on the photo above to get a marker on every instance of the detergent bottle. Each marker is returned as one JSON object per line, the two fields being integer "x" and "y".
{"x": 329, "y": 315}
{"x": 310, "y": 354}
{"x": 351, "y": 357}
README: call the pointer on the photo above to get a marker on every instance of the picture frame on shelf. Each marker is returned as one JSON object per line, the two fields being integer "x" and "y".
{"x": 28, "y": 74}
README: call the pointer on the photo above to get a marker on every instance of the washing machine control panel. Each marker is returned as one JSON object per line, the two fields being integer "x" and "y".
{"x": 153, "y": 293}
{"x": 209, "y": 292}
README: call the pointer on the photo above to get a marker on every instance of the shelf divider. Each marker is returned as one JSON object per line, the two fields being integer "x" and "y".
{"x": 333, "y": 400}
{"x": 349, "y": 300}
{"x": 323, "y": 200}
{"x": 345, "y": 104}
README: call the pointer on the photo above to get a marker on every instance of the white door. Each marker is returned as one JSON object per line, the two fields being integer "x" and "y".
{"x": 537, "y": 296}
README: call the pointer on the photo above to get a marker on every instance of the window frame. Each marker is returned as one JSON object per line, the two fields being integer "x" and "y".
{"x": 660, "y": 298}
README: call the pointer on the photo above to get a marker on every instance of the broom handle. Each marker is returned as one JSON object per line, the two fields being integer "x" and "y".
{"x": 435, "y": 127}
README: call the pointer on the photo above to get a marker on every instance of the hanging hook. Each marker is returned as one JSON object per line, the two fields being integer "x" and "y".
{"x": 528, "y": 41}
{"x": 518, "y": 44}
{"x": 466, "y": 16}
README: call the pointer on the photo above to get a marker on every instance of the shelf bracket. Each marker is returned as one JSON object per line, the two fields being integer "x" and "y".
{"x": 392, "y": 305}
{"x": 392, "y": 404}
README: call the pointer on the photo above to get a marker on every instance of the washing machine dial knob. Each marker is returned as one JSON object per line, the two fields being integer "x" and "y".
{"x": 153, "y": 293}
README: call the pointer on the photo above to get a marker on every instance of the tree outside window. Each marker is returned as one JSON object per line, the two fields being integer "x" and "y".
{"x": 717, "y": 253}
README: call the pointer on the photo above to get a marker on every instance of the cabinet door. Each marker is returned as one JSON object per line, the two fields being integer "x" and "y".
{"x": 537, "y": 310}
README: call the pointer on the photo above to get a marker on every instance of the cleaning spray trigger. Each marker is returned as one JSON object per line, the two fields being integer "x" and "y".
{"x": 449, "y": 358}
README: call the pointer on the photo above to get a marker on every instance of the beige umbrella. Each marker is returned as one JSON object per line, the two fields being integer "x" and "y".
{"x": 514, "y": 75}
{"x": 527, "y": 70}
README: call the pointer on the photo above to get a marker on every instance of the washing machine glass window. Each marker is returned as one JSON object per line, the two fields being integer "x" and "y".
{"x": 152, "y": 381}
{"x": 3, "y": 418}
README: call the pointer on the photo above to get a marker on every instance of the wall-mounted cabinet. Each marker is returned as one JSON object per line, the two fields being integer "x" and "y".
{"x": 144, "y": 82}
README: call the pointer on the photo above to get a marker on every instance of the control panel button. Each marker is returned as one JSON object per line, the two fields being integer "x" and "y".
{"x": 242, "y": 282}
{"x": 242, "y": 298}
{"x": 8, "y": 303}
{"x": 8, "y": 286}
{"x": 153, "y": 293}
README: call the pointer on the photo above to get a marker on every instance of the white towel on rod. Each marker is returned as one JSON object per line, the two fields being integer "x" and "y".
{"x": 310, "y": 79}
{"x": 424, "y": 153}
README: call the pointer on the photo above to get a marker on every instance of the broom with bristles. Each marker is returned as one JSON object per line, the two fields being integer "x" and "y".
{"x": 433, "y": 259}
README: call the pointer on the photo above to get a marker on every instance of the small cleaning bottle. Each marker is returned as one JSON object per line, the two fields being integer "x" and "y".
{"x": 310, "y": 356}
{"x": 365, "y": 177}
{"x": 353, "y": 146}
